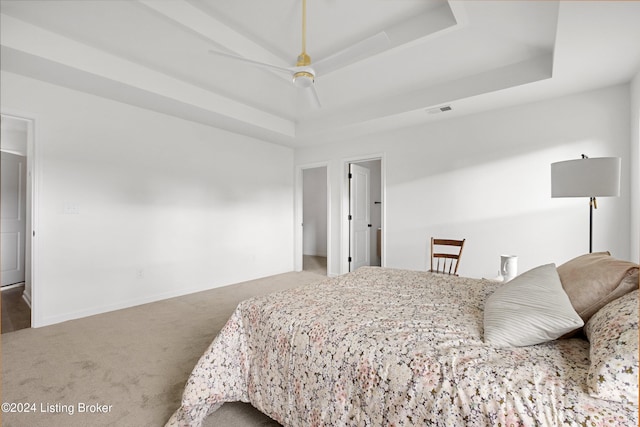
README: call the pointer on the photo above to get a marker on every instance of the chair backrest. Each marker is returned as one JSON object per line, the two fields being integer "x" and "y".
{"x": 447, "y": 258}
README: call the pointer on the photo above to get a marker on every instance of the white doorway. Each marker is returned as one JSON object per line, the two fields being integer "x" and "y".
{"x": 17, "y": 225}
{"x": 364, "y": 240}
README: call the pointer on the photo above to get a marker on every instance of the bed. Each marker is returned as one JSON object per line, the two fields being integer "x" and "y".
{"x": 386, "y": 347}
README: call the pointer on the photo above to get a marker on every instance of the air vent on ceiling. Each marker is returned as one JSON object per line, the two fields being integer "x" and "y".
{"x": 438, "y": 110}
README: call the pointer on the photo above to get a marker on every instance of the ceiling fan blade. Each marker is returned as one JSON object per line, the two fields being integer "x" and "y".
{"x": 252, "y": 62}
{"x": 365, "y": 48}
{"x": 312, "y": 96}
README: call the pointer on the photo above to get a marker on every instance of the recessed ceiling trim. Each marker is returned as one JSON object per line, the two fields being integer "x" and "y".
{"x": 32, "y": 40}
{"x": 192, "y": 18}
{"x": 35, "y": 67}
{"x": 421, "y": 27}
{"x": 529, "y": 71}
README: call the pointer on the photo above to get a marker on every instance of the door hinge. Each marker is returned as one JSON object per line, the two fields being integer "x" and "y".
{"x": 350, "y": 218}
{"x": 349, "y": 259}
{"x": 350, "y": 175}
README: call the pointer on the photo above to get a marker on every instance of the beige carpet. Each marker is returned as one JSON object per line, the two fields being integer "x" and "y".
{"x": 132, "y": 363}
{"x": 16, "y": 314}
{"x": 314, "y": 264}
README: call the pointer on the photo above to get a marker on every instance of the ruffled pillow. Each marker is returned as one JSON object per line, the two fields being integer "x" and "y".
{"x": 613, "y": 334}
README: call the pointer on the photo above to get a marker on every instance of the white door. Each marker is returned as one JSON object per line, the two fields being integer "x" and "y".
{"x": 13, "y": 217}
{"x": 359, "y": 217}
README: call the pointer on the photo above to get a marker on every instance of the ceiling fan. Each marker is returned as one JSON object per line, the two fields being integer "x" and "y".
{"x": 303, "y": 75}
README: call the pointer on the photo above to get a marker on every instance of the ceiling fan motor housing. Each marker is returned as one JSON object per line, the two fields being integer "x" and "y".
{"x": 304, "y": 60}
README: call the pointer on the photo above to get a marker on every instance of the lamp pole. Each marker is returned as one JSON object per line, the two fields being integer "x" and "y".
{"x": 592, "y": 204}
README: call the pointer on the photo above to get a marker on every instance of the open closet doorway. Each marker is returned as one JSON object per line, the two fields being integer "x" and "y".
{"x": 365, "y": 213}
{"x": 315, "y": 219}
{"x": 15, "y": 222}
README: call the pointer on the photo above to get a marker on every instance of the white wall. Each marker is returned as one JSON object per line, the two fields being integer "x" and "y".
{"x": 135, "y": 206}
{"x": 486, "y": 178}
{"x": 635, "y": 169}
{"x": 314, "y": 211}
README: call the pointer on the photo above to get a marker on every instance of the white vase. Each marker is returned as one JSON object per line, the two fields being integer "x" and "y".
{"x": 508, "y": 267}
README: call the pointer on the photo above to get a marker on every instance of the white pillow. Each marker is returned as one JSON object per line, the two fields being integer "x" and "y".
{"x": 531, "y": 309}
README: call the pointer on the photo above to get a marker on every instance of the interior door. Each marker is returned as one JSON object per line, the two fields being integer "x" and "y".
{"x": 359, "y": 217}
{"x": 12, "y": 217}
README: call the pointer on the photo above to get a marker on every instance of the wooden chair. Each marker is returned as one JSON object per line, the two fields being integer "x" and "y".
{"x": 447, "y": 259}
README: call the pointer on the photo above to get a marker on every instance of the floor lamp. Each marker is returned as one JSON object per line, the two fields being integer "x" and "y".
{"x": 585, "y": 177}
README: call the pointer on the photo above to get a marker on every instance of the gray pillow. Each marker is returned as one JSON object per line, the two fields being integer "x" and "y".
{"x": 532, "y": 308}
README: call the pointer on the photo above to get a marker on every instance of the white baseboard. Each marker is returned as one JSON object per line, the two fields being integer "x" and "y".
{"x": 27, "y": 298}
{"x": 15, "y": 285}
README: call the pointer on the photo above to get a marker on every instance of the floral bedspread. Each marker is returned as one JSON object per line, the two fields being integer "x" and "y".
{"x": 385, "y": 347}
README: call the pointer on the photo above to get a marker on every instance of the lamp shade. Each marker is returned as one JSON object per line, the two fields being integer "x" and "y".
{"x": 590, "y": 177}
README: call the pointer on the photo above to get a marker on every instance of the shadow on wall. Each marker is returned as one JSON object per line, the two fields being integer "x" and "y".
{"x": 563, "y": 237}
{"x": 501, "y": 188}
{"x": 496, "y": 138}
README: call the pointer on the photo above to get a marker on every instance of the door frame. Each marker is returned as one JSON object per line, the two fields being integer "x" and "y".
{"x": 298, "y": 215}
{"x": 344, "y": 205}
{"x": 33, "y": 185}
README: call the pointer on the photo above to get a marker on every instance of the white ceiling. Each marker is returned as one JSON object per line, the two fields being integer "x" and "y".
{"x": 471, "y": 55}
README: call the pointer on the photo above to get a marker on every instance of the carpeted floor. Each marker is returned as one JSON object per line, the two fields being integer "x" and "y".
{"x": 16, "y": 314}
{"x": 315, "y": 264}
{"x": 128, "y": 366}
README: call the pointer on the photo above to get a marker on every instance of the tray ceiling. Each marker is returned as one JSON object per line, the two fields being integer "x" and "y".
{"x": 471, "y": 55}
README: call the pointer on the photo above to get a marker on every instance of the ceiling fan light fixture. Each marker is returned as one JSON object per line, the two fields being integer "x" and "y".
{"x": 303, "y": 79}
